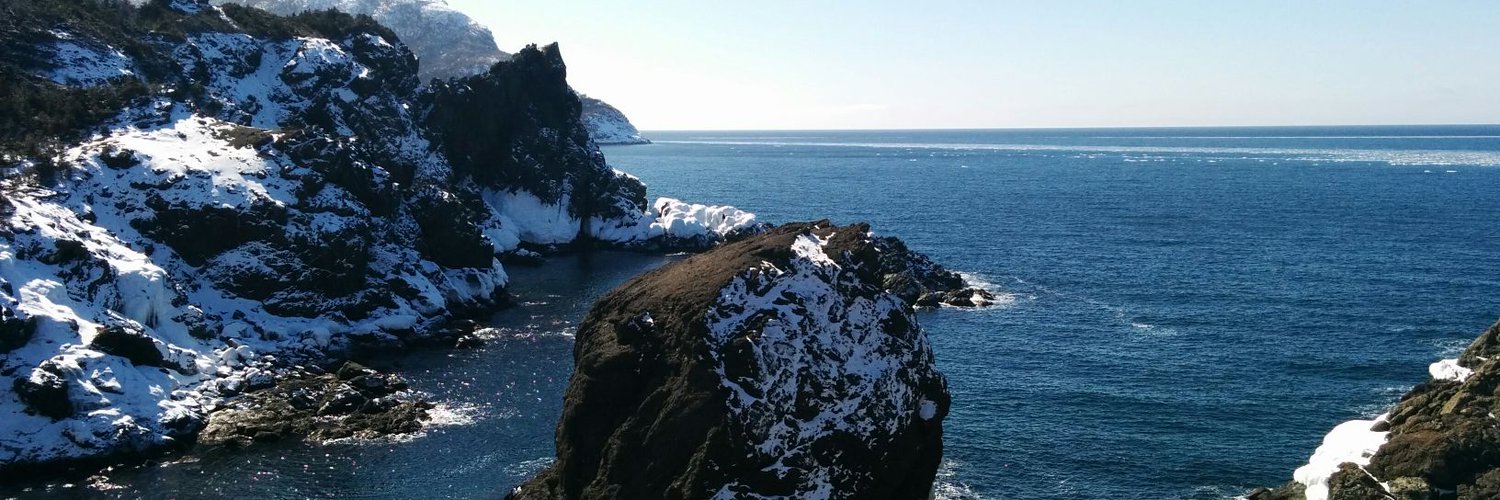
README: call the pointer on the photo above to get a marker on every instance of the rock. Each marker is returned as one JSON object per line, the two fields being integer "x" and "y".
{"x": 350, "y": 370}
{"x": 1486, "y": 347}
{"x": 14, "y": 331}
{"x": 1486, "y": 487}
{"x": 318, "y": 408}
{"x": 1290, "y": 491}
{"x": 129, "y": 342}
{"x": 779, "y": 352}
{"x": 1442, "y": 436}
{"x": 45, "y": 391}
{"x": 342, "y": 399}
{"x": 1353, "y": 483}
{"x": 1410, "y": 488}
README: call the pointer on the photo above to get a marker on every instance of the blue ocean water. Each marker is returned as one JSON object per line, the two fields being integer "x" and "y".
{"x": 1192, "y": 309}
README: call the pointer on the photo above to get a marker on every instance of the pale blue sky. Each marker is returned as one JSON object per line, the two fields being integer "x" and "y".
{"x": 689, "y": 65}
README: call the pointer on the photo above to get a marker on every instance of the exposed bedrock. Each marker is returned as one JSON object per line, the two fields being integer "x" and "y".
{"x": 776, "y": 365}
{"x": 1442, "y": 440}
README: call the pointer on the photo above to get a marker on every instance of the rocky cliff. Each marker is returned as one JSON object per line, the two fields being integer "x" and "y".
{"x": 447, "y": 43}
{"x": 608, "y": 125}
{"x": 194, "y": 199}
{"x": 778, "y": 366}
{"x": 450, "y": 44}
{"x": 1442, "y": 440}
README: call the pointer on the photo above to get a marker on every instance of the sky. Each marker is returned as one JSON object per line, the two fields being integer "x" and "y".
{"x": 878, "y": 64}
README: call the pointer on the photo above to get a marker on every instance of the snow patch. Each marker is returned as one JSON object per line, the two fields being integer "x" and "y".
{"x": 1352, "y": 441}
{"x": 690, "y": 220}
{"x": 78, "y": 64}
{"x": 805, "y": 332}
{"x": 1448, "y": 369}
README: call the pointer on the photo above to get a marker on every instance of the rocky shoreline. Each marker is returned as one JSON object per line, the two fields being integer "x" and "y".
{"x": 1441, "y": 441}
{"x": 785, "y": 364}
{"x": 262, "y": 194}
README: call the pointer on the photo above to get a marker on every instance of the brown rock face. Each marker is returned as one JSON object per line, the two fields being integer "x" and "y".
{"x": 1444, "y": 439}
{"x": 777, "y": 365}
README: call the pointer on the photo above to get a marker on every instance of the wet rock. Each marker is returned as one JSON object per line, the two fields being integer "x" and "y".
{"x": 1289, "y": 491}
{"x": 342, "y": 399}
{"x": 319, "y": 408}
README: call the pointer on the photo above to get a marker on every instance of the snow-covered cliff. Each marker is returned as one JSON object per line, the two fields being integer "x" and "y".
{"x": 447, "y": 43}
{"x": 450, "y": 44}
{"x": 608, "y": 125}
{"x": 258, "y": 191}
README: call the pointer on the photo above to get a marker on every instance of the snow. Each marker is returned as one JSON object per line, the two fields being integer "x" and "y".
{"x": 1352, "y": 441}
{"x": 520, "y": 217}
{"x": 529, "y": 219}
{"x": 163, "y": 155}
{"x": 607, "y": 125}
{"x": 1448, "y": 369}
{"x": 78, "y": 64}
{"x": 172, "y": 157}
{"x": 676, "y": 219}
{"x": 806, "y": 332}
{"x": 928, "y": 410}
{"x": 1356, "y": 441}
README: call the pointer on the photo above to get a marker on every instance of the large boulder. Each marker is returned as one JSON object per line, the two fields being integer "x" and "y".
{"x": 778, "y": 365}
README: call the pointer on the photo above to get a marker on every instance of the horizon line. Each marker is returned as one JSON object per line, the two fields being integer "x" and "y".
{"x": 1116, "y": 127}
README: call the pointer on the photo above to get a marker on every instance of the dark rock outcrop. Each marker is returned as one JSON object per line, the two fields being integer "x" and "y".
{"x": 354, "y": 401}
{"x": 128, "y": 342}
{"x": 14, "y": 331}
{"x": 1443, "y": 441}
{"x": 45, "y": 391}
{"x": 918, "y": 280}
{"x": 776, "y": 365}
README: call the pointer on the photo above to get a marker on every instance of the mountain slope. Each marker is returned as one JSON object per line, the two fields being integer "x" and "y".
{"x": 449, "y": 44}
{"x": 221, "y": 193}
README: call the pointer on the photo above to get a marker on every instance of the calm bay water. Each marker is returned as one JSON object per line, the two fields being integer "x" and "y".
{"x": 1193, "y": 308}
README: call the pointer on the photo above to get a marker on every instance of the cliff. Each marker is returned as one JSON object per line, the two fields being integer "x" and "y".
{"x": 195, "y": 200}
{"x": 777, "y": 366}
{"x": 1441, "y": 440}
{"x": 608, "y": 125}
{"x": 449, "y": 44}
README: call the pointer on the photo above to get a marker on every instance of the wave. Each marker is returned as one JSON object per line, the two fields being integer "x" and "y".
{"x": 948, "y": 486}
{"x": 1003, "y": 298}
{"x": 1400, "y": 157}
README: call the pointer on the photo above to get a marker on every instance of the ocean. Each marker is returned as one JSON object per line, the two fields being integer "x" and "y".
{"x": 1188, "y": 310}
{"x": 1191, "y": 309}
